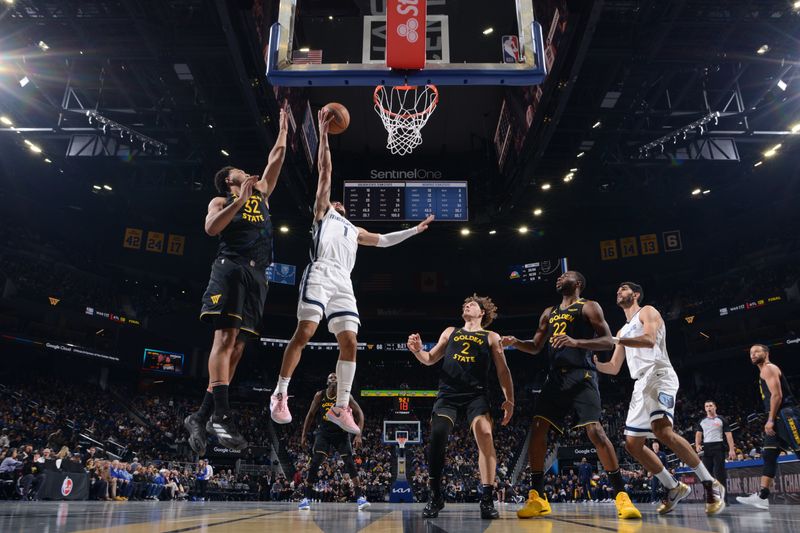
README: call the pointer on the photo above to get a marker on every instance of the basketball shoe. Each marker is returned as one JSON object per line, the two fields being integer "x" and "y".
{"x": 625, "y": 507}
{"x": 343, "y": 417}
{"x": 535, "y": 506}
{"x": 279, "y": 408}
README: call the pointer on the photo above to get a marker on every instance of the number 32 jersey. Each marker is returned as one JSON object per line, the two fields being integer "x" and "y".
{"x": 571, "y": 322}
{"x": 465, "y": 368}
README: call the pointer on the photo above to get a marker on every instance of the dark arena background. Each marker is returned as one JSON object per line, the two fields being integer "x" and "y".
{"x": 644, "y": 140}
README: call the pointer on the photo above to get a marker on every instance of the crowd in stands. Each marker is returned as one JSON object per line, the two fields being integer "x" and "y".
{"x": 45, "y": 423}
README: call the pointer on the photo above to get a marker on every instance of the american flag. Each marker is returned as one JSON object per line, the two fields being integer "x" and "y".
{"x": 311, "y": 57}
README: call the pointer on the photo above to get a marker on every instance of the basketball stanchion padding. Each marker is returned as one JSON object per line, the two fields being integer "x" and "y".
{"x": 406, "y": 24}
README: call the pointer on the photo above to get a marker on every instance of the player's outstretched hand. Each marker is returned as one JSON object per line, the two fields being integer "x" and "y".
{"x": 357, "y": 441}
{"x": 324, "y": 117}
{"x": 509, "y": 340}
{"x": 563, "y": 341}
{"x": 283, "y": 121}
{"x": 422, "y": 226}
{"x": 247, "y": 188}
{"x": 414, "y": 342}
{"x": 508, "y": 412}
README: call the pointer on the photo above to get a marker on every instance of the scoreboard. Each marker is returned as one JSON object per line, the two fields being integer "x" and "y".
{"x": 406, "y": 200}
{"x": 538, "y": 271}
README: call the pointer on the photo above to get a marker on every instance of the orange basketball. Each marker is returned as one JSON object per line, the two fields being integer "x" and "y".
{"x": 341, "y": 118}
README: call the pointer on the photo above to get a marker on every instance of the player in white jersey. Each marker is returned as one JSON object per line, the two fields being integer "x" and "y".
{"x": 642, "y": 341}
{"x": 327, "y": 290}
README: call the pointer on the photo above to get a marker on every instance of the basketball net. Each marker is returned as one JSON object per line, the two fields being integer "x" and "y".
{"x": 401, "y": 442}
{"x": 404, "y": 111}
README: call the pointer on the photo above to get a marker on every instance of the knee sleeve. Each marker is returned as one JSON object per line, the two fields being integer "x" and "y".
{"x": 770, "y": 456}
{"x": 338, "y": 326}
{"x": 440, "y": 430}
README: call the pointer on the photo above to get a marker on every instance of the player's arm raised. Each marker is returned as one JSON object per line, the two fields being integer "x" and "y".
{"x": 651, "y": 321}
{"x": 365, "y": 238}
{"x": 324, "y": 165}
{"x": 276, "y": 156}
{"x": 535, "y": 345}
{"x": 309, "y": 421}
{"x": 437, "y": 352}
{"x": 219, "y": 216}
{"x": 614, "y": 365}
{"x": 503, "y": 376}
{"x": 602, "y": 342}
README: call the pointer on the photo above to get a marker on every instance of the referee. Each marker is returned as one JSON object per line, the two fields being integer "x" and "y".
{"x": 708, "y": 437}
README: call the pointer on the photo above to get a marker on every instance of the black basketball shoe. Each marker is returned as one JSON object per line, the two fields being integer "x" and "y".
{"x": 434, "y": 506}
{"x": 488, "y": 512}
{"x": 197, "y": 433}
{"x": 225, "y": 429}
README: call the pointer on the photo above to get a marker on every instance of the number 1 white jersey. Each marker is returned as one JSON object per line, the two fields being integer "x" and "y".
{"x": 334, "y": 240}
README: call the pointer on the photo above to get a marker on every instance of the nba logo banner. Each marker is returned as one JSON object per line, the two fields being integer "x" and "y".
{"x": 406, "y": 22}
{"x": 510, "y": 49}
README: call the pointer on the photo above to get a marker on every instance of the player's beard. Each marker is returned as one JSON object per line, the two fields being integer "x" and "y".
{"x": 567, "y": 287}
{"x": 626, "y": 302}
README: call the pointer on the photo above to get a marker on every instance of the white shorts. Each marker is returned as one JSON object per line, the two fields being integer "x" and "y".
{"x": 327, "y": 290}
{"x": 653, "y": 398}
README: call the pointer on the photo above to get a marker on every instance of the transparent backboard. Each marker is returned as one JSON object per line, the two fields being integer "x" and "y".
{"x": 411, "y": 429}
{"x": 467, "y": 42}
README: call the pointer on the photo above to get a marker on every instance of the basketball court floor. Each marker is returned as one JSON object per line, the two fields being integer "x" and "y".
{"x": 211, "y": 517}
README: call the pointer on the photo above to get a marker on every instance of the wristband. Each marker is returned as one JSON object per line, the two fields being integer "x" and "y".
{"x": 615, "y": 340}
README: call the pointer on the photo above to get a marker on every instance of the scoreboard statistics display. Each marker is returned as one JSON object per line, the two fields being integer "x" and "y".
{"x": 538, "y": 271}
{"x": 406, "y": 200}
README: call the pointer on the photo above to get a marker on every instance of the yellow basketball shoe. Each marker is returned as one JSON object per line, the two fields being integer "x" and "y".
{"x": 625, "y": 507}
{"x": 535, "y": 506}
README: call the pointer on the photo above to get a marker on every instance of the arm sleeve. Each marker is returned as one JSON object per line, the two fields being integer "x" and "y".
{"x": 390, "y": 239}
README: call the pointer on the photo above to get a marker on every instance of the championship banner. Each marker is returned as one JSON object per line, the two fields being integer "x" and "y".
{"x": 64, "y": 486}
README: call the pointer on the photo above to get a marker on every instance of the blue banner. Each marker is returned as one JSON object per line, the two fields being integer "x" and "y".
{"x": 280, "y": 273}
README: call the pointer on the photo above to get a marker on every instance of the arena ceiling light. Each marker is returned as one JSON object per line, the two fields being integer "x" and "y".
{"x": 573, "y": 169}
{"x": 696, "y": 192}
{"x": 304, "y": 49}
{"x": 537, "y": 212}
{"x": 24, "y": 81}
{"x": 488, "y": 31}
{"x": 581, "y": 154}
{"x": 97, "y": 187}
{"x": 46, "y": 160}
{"x": 7, "y": 121}
{"x": 284, "y": 229}
{"x": 782, "y": 85}
{"x": 758, "y": 163}
{"x": 546, "y": 186}
{"x": 706, "y": 191}
{"x": 795, "y": 128}
{"x": 493, "y": 232}
{"x": 569, "y": 177}
{"x": 224, "y": 152}
{"x": 597, "y": 125}
{"x": 772, "y": 151}
{"x": 33, "y": 148}
{"x": 523, "y": 229}
{"x": 763, "y": 50}
{"x": 109, "y": 126}
{"x": 465, "y": 231}
{"x": 43, "y": 46}
{"x": 700, "y": 124}
{"x": 108, "y": 187}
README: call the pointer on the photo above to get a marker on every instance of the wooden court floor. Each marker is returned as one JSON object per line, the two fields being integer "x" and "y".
{"x": 261, "y": 517}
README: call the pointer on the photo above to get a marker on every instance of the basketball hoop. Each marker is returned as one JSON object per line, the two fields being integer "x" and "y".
{"x": 401, "y": 442}
{"x": 404, "y": 110}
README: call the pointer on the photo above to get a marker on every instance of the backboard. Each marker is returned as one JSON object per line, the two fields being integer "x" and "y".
{"x": 408, "y": 428}
{"x": 464, "y": 42}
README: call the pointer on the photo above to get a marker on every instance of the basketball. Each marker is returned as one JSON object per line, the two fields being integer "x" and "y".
{"x": 341, "y": 118}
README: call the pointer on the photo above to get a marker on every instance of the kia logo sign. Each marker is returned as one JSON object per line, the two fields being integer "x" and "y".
{"x": 66, "y": 487}
{"x": 401, "y": 490}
